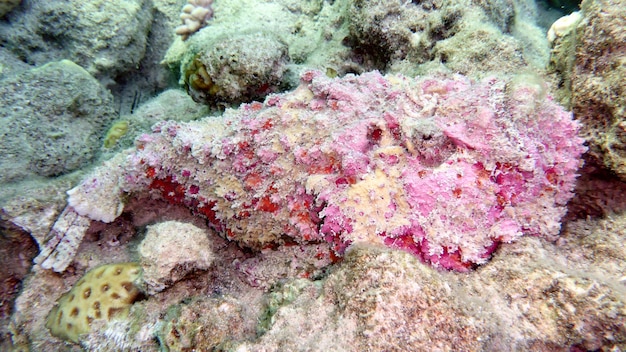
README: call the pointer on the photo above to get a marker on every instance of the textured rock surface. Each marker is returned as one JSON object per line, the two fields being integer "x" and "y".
{"x": 591, "y": 63}
{"x": 105, "y": 37}
{"x": 10, "y": 64}
{"x": 206, "y": 324}
{"x": 354, "y": 36}
{"x": 237, "y": 68}
{"x": 7, "y": 5}
{"x": 16, "y": 250}
{"x": 52, "y": 120}
{"x": 528, "y": 298}
{"x": 170, "y": 251}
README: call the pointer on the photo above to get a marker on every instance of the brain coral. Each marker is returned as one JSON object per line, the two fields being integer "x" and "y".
{"x": 446, "y": 169}
{"x": 104, "y": 293}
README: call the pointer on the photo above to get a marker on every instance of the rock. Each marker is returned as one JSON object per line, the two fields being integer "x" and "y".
{"x": 206, "y": 324}
{"x": 7, "y": 6}
{"x": 469, "y": 37}
{"x": 588, "y": 60}
{"x": 171, "y": 251}
{"x": 105, "y": 37}
{"x": 52, "y": 120}
{"x": 10, "y": 64}
{"x": 236, "y": 69}
{"x": 533, "y": 296}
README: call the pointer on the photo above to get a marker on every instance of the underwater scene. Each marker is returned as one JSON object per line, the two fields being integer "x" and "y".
{"x": 312, "y": 175}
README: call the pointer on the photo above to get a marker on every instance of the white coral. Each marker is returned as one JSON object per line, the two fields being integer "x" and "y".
{"x": 563, "y": 26}
{"x": 194, "y": 15}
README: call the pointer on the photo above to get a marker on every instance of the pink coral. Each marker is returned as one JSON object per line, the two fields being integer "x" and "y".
{"x": 446, "y": 169}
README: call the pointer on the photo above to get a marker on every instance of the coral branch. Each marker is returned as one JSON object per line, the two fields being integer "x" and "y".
{"x": 194, "y": 15}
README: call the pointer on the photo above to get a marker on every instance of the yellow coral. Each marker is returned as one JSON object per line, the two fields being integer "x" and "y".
{"x": 117, "y": 131}
{"x": 104, "y": 293}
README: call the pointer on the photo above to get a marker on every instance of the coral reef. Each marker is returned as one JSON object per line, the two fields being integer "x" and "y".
{"x": 533, "y": 295}
{"x": 275, "y": 226}
{"x": 529, "y": 297}
{"x": 475, "y": 38}
{"x": 52, "y": 120}
{"x": 274, "y": 40}
{"x": 104, "y": 293}
{"x": 171, "y": 251}
{"x": 446, "y": 169}
{"x": 194, "y": 15}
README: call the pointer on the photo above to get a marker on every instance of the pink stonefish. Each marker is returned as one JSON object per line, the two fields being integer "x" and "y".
{"x": 445, "y": 168}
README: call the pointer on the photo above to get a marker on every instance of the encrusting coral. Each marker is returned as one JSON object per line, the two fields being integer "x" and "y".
{"x": 117, "y": 131}
{"x": 194, "y": 15}
{"x": 446, "y": 169}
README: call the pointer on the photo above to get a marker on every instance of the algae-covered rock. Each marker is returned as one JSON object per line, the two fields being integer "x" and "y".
{"x": 205, "y": 324}
{"x": 533, "y": 296}
{"x": 251, "y": 48}
{"x": 52, "y": 120}
{"x": 10, "y": 64}
{"x": 237, "y": 69}
{"x": 468, "y": 37}
{"x": 171, "y": 251}
{"x": 590, "y": 64}
{"x": 103, "y": 36}
{"x": 7, "y": 5}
